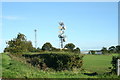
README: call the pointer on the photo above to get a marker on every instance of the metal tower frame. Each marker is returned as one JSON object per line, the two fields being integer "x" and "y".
{"x": 35, "y": 38}
{"x": 61, "y": 34}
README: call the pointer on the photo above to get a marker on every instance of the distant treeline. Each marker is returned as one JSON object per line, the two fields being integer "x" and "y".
{"x": 105, "y": 50}
{"x": 112, "y": 49}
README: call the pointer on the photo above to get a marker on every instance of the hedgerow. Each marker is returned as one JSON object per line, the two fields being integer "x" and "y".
{"x": 57, "y": 62}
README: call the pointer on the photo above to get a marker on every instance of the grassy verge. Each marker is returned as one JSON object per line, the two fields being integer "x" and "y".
{"x": 13, "y": 67}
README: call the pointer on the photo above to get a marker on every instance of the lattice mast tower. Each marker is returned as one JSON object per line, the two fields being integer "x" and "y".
{"x": 61, "y": 35}
{"x": 35, "y": 38}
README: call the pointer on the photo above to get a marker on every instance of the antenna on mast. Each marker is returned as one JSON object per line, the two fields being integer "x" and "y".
{"x": 35, "y": 38}
{"x": 61, "y": 34}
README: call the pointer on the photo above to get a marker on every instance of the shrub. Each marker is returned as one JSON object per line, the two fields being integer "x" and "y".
{"x": 77, "y": 50}
{"x": 114, "y": 64}
{"x": 57, "y": 62}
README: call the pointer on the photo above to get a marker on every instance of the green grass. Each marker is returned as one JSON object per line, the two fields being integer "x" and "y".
{"x": 15, "y": 68}
{"x": 97, "y": 63}
{"x": 114, "y": 54}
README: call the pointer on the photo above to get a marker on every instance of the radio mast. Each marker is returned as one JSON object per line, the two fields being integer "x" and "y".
{"x": 35, "y": 38}
{"x": 61, "y": 34}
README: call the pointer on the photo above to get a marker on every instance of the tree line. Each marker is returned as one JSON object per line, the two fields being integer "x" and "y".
{"x": 20, "y": 44}
{"x": 105, "y": 50}
{"x": 111, "y": 49}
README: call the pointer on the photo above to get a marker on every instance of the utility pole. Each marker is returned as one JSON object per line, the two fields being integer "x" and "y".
{"x": 35, "y": 38}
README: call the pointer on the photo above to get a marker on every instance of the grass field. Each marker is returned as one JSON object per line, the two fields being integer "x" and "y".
{"x": 15, "y": 68}
{"x": 97, "y": 63}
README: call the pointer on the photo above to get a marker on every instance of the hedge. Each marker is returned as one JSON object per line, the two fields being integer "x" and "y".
{"x": 57, "y": 62}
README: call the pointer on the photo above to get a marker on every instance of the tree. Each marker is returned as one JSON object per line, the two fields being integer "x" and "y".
{"x": 21, "y": 37}
{"x": 29, "y": 46}
{"x": 104, "y": 50}
{"x": 47, "y": 47}
{"x": 118, "y": 48}
{"x": 112, "y": 49}
{"x": 6, "y": 49}
{"x": 77, "y": 50}
{"x": 19, "y": 44}
{"x": 70, "y": 46}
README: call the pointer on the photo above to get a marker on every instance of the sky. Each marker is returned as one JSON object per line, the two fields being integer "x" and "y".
{"x": 90, "y": 25}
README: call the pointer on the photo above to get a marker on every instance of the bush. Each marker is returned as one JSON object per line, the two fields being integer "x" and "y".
{"x": 55, "y": 49}
{"x": 77, "y": 50}
{"x": 114, "y": 64}
{"x": 57, "y": 62}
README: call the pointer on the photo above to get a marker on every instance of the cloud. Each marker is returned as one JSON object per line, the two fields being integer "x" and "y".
{"x": 11, "y": 17}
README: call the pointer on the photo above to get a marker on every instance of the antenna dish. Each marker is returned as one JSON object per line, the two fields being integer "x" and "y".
{"x": 61, "y": 24}
{"x": 65, "y": 39}
{"x": 61, "y": 32}
{"x": 60, "y": 27}
{"x": 65, "y": 27}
